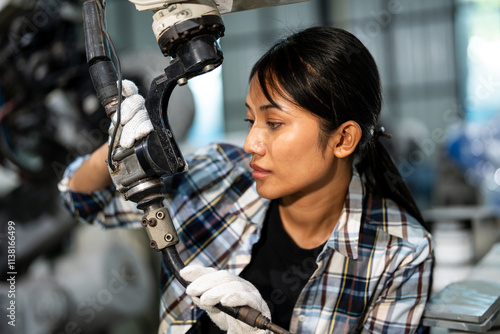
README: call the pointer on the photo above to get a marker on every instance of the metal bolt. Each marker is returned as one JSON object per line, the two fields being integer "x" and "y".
{"x": 152, "y": 222}
{"x": 169, "y": 237}
{"x": 144, "y": 222}
{"x": 182, "y": 81}
{"x": 208, "y": 68}
{"x": 152, "y": 244}
{"x": 160, "y": 215}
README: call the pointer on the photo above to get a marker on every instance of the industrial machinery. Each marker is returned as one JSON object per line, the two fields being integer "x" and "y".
{"x": 187, "y": 31}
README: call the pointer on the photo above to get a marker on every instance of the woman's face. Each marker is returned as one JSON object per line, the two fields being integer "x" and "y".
{"x": 287, "y": 158}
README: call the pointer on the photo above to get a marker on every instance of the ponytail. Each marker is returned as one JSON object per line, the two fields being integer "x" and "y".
{"x": 383, "y": 178}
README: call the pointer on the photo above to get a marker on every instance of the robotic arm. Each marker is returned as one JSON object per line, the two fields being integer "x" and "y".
{"x": 187, "y": 31}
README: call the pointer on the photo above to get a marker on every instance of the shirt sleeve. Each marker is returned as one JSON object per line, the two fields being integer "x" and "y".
{"x": 401, "y": 303}
{"x": 105, "y": 207}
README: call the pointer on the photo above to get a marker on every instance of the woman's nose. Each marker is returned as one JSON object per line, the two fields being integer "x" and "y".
{"x": 254, "y": 143}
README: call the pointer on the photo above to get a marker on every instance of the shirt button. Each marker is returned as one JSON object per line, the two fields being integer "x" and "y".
{"x": 302, "y": 318}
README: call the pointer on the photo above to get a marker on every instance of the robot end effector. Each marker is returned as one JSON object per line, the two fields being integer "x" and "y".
{"x": 188, "y": 33}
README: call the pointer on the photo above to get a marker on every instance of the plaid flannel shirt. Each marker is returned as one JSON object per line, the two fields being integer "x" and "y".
{"x": 373, "y": 274}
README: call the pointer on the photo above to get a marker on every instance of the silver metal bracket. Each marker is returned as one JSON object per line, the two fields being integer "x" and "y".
{"x": 161, "y": 230}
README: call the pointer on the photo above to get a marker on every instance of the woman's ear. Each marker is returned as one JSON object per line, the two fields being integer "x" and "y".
{"x": 345, "y": 140}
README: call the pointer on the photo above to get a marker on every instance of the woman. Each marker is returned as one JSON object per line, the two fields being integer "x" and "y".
{"x": 313, "y": 213}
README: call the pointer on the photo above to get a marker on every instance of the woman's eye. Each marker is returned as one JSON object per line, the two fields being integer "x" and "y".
{"x": 273, "y": 125}
{"x": 249, "y": 121}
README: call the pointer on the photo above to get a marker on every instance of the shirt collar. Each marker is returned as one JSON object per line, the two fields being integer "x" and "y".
{"x": 345, "y": 236}
{"x": 251, "y": 207}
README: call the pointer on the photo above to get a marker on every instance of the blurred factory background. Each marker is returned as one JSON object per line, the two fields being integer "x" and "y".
{"x": 440, "y": 69}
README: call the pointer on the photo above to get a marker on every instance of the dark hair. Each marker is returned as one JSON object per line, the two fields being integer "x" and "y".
{"x": 329, "y": 72}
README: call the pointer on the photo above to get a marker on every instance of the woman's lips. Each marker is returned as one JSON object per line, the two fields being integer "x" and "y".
{"x": 258, "y": 172}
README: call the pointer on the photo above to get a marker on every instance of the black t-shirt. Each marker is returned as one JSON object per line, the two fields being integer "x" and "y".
{"x": 279, "y": 269}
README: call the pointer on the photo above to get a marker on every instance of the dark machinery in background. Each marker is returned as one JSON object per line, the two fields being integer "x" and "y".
{"x": 49, "y": 115}
{"x": 45, "y": 92}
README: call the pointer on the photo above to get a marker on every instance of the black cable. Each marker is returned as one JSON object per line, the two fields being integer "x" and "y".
{"x": 116, "y": 62}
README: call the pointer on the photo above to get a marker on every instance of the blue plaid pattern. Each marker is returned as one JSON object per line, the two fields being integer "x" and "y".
{"x": 373, "y": 274}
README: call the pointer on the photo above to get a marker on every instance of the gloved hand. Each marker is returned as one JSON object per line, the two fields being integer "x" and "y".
{"x": 209, "y": 287}
{"x": 134, "y": 117}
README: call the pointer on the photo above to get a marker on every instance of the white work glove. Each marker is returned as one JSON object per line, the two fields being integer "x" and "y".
{"x": 209, "y": 287}
{"x": 134, "y": 118}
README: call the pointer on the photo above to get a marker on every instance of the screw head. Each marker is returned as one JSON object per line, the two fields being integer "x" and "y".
{"x": 152, "y": 244}
{"x": 160, "y": 215}
{"x": 152, "y": 222}
{"x": 168, "y": 237}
